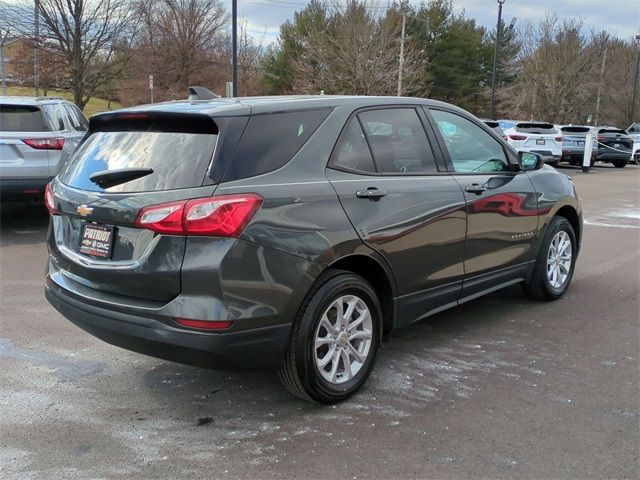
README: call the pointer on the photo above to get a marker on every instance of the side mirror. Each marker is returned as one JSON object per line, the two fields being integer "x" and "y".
{"x": 529, "y": 161}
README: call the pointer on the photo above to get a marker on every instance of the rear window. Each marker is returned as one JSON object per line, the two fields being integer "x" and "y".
{"x": 540, "y": 128}
{"x": 612, "y": 130}
{"x": 575, "y": 129}
{"x": 178, "y": 159}
{"x": 21, "y": 118}
{"x": 271, "y": 140}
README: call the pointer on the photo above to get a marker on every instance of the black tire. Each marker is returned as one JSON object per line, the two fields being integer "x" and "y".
{"x": 554, "y": 163}
{"x": 620, "y": 163}
{"x": 299, "y": 372}
{"x": 538, "y": 287}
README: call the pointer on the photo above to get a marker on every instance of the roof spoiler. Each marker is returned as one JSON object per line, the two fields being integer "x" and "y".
{"x": 201, "y": 93}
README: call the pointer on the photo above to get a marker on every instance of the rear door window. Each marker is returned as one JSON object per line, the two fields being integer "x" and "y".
{"x": 22, "y": 118}
{"x": 78, "y": 121}
{"x": 398, "y": 141}
{"x": 352, "y": 152}
{"x": 178, "y": 159}
{"x": 55, "y": 115}
{"x": 271, "y": 140}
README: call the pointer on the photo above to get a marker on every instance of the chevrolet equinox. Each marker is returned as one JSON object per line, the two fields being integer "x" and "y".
{"x": 293, "y": 233}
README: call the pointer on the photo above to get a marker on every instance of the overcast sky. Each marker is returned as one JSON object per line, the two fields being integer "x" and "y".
{"x": 619, "y": 17}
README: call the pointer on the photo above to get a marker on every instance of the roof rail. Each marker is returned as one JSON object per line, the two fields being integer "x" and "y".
{"x": 47, "y": 98}
{"x": 201, "y": 93}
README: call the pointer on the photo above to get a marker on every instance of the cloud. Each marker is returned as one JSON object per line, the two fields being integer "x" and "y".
{"x": 618, "y": 17}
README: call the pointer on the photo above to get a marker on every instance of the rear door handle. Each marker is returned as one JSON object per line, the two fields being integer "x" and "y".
{"x": 371, "y": 193}
{"x": 475, "y": 188}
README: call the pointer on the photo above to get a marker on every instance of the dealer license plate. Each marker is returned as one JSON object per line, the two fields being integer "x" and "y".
{"x": 96, "y": 240}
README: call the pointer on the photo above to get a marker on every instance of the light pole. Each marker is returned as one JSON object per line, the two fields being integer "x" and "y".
{"x": 36, "y": 51}
{"x": 635, "y": 84}
{"x": 401, "y": 65}
{"x": 234, "y": 47}
{"x": 492, "y": 108}
{"x": 3, "y": 41}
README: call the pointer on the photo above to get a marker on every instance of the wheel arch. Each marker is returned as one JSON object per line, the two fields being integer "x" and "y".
{"x": 571, "y": 214}
{"x": 380, "y": 278}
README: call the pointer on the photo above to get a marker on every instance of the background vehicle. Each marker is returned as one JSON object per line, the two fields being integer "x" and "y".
{"x": 537, "y": 137}
{"x": 574, "y": 137}
{"x": 614, "y": 146}
{"x": 319, "y": 225}
{"x": 495, "y": 126}
{"x": 33, "y": 133}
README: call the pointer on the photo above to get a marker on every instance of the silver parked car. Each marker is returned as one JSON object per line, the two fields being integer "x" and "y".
{"x": 36, "y": 134}
{"x": 573, "y": 144}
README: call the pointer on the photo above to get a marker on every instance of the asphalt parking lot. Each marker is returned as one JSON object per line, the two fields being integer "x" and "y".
{"x": 502, "y": 387}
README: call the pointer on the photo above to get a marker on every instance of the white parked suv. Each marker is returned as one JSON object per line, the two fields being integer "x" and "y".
{"x": 36, "y": 134}
{"x": 537, "y": 137}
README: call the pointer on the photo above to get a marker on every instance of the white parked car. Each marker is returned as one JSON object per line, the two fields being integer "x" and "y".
{"x": 537, "y": 137}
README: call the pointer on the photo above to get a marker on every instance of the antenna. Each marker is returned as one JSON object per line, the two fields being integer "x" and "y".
{"x": 201, "y": 93}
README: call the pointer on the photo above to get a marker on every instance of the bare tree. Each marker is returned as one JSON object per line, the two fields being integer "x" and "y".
{"x": 53, "y": 69}
{"x": 92, "y": 36}
{"x": 180, "y": 35}
{"x": 187, "y": 42}
{"x": 354, "y": 50}
{"x": 556, "y": 71}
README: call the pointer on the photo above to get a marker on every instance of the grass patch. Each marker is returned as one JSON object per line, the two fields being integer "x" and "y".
{"x": 95, "y": 104}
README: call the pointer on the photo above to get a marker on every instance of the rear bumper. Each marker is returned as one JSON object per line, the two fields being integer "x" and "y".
{"x": 254, "y": 349}
{"x": 610, "y": 156}
{"x": 21, "y": 187}
{"x": 569, "y": 153}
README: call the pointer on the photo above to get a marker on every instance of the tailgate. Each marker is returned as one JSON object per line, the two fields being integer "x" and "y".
{"x": 93, "y": 240}
{"x": 19, "y": 160}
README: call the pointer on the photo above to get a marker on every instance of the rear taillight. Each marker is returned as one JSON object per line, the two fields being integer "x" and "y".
{"x": 164, "y": 218}
{"x": 517, "y": 137}
{"x": 221, "y": 216}
{"x": 205, "y": 324}
{"x": 45, "y": 143}
{"x": 559, "y": 139}
{"x": 49, "y": 200}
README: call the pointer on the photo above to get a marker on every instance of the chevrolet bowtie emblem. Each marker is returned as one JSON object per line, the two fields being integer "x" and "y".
{"x": 84, "y": 210}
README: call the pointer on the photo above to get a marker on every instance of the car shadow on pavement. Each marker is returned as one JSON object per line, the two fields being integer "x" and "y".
{"x": 427, "y": 362}
{"x": 23, "y": 223}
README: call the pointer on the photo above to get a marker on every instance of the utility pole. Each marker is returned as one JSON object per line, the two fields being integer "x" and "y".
{"x": 36, "y": 51}
{"x": 492, "y": 108}
{"x": 604, "y": 61}
{"x": 401, "y": 66}
{"x": 635, "y": 84}
{"x": 3, "y": 41}
{"x": 234, "y": 46}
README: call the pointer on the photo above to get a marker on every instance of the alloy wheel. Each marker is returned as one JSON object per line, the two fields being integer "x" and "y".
{"x": 342, "y": 340}
{"x": 559, "y": 259}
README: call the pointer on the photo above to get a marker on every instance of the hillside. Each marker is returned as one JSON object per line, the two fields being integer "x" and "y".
{"x": 94, "y": 106}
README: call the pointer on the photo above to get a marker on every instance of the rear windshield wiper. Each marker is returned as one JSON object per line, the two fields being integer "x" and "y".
{"x": 111, "y": 178}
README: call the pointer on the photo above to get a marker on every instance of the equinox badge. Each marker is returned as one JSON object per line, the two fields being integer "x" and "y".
{"x": 84, "y": 210}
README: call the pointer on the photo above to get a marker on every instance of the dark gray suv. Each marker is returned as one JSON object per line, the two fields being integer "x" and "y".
{"x": 297, "y": 232}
